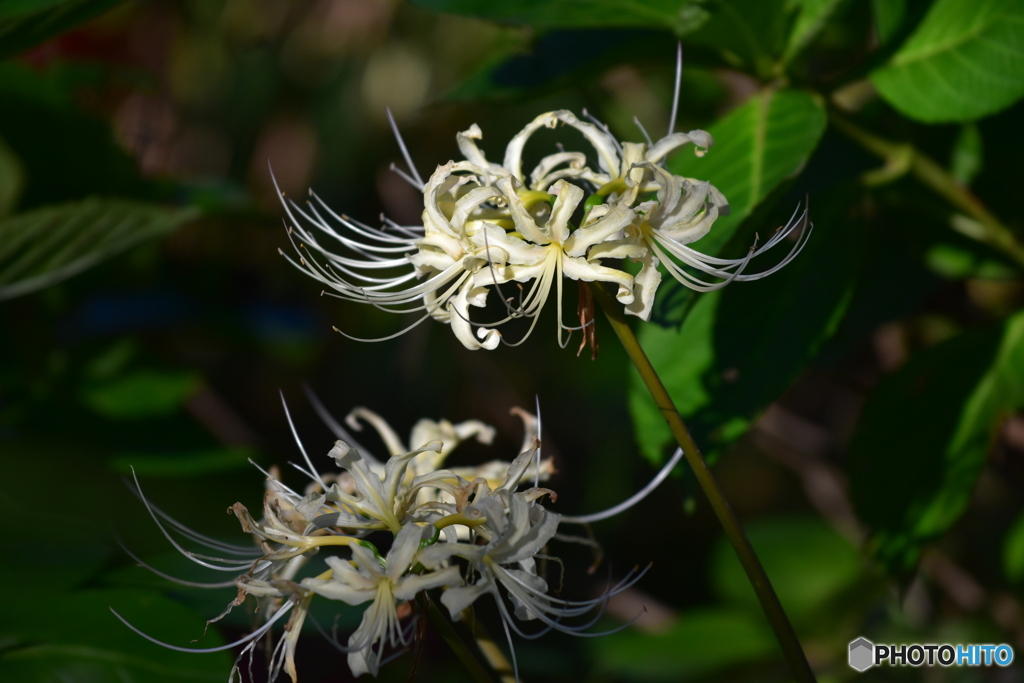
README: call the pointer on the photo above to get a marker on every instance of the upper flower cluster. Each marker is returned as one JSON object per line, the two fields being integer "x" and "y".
{"x": 471, "y": 531}
{"x": 486, "y": 225}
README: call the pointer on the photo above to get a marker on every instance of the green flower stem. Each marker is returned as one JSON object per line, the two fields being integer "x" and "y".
{"x": 465, "y": 654}
{"x": 784, "y": 632}
{"x": 906, "y": 157}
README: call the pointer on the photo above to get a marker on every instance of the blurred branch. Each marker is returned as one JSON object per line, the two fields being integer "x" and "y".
{"x": 904, "y": 156}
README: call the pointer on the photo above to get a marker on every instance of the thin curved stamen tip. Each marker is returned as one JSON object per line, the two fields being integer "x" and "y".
{"x": 201, "y": 650}
{"x": 632, "y": 500}
{"x": 675, "y": 94}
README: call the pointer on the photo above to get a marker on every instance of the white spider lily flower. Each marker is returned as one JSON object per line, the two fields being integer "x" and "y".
{"x": 468, "y": 248}
{"x": 378, "y": 502}
{"x": 476, "y": 534}
{"x": 515, "y": 529}
{"x": 617, "y": 160}
{"x": 486, "y": 225}
{"x": 681, "y": 212}
{"x": 481, "y": 229}
{"x": 450, "y": 436}
{"x": 364, "y": 579}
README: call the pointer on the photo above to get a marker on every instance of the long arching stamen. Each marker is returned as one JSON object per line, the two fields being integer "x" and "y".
{"x": 675, "y": 94}
{"x": 405, "y": 150}
{"x": 632, "y": 500}
{"x": 220, "y": 648}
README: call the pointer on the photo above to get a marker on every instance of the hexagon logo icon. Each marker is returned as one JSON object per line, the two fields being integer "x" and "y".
{"x": 862, "y": 654}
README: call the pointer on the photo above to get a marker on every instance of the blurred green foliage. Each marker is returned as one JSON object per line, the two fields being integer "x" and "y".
{"x": 863, "y": 405}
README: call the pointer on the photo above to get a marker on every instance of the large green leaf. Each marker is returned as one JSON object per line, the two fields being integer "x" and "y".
{"x": 680, "y": 16}
{"x": 519, "y": 65}
{"x": 750, "y": 34}
{"x": 808, "y": 562}
{"x": 811, "y": 18}
{"x": 24, "y": 23}
{"x": 74, "y": 637}
{"x": 924, "y": 435}
{"x": 144, "y": 393}
{"x": 55, "y": 564}
{"x": 740, "y": 347}
{"x": 757, "y": 146}
{"x": 964, "y": 61}
{"x": 700, "y": 642}
{"x": 42, "y": 247}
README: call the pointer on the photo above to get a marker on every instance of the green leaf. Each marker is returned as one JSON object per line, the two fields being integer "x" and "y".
{"x": 74, "y": 637}
{"x": 42, "y": 247}
{"x": 25, "y": 23}
{"x": 740, "y": 347}
{"x": 145, "y": 393}
{"x": 809, "y": 21}
{"x": 749, "y": 34}
{"x": 888, "y": 16}
{"x": 967, "y": 154}
{"x": 12, "y": 179}
{"x": 188, "y": 464}
{"x": 680, "y": 16}
{"x": 808, "y": 562}
{"x": 964, "y": 61}
{"x": 54, "y": 564}
{"x": 114, "y": 359}
{"x": 757, "y": 146}
{"x": 1013, "y": 551}
{"x": 700, "y": 642}
{"x": 960, "y": 259}
{"x": 48, "y": 130}
{"x": 924, "y": 436}
{"x": 681, "y": 373}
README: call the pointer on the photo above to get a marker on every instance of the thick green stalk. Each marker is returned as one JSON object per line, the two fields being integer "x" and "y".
{"x": 905, "y": 156}
{"x": 784, "y": 632}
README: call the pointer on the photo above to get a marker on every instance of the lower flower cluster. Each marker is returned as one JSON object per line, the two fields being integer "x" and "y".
{"x": 467, "y": 532}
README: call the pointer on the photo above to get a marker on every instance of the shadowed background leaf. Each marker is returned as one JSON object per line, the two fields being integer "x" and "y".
{"x": 680, "y": 16}
{"x": 24, "y": 23}
{"x": 925, "y": 434}
{"x": 42, "y": 247}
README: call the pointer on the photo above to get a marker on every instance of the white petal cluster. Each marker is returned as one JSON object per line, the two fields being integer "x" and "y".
{"x": 467, "y": 532}
{"x": 494, "y": 226}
